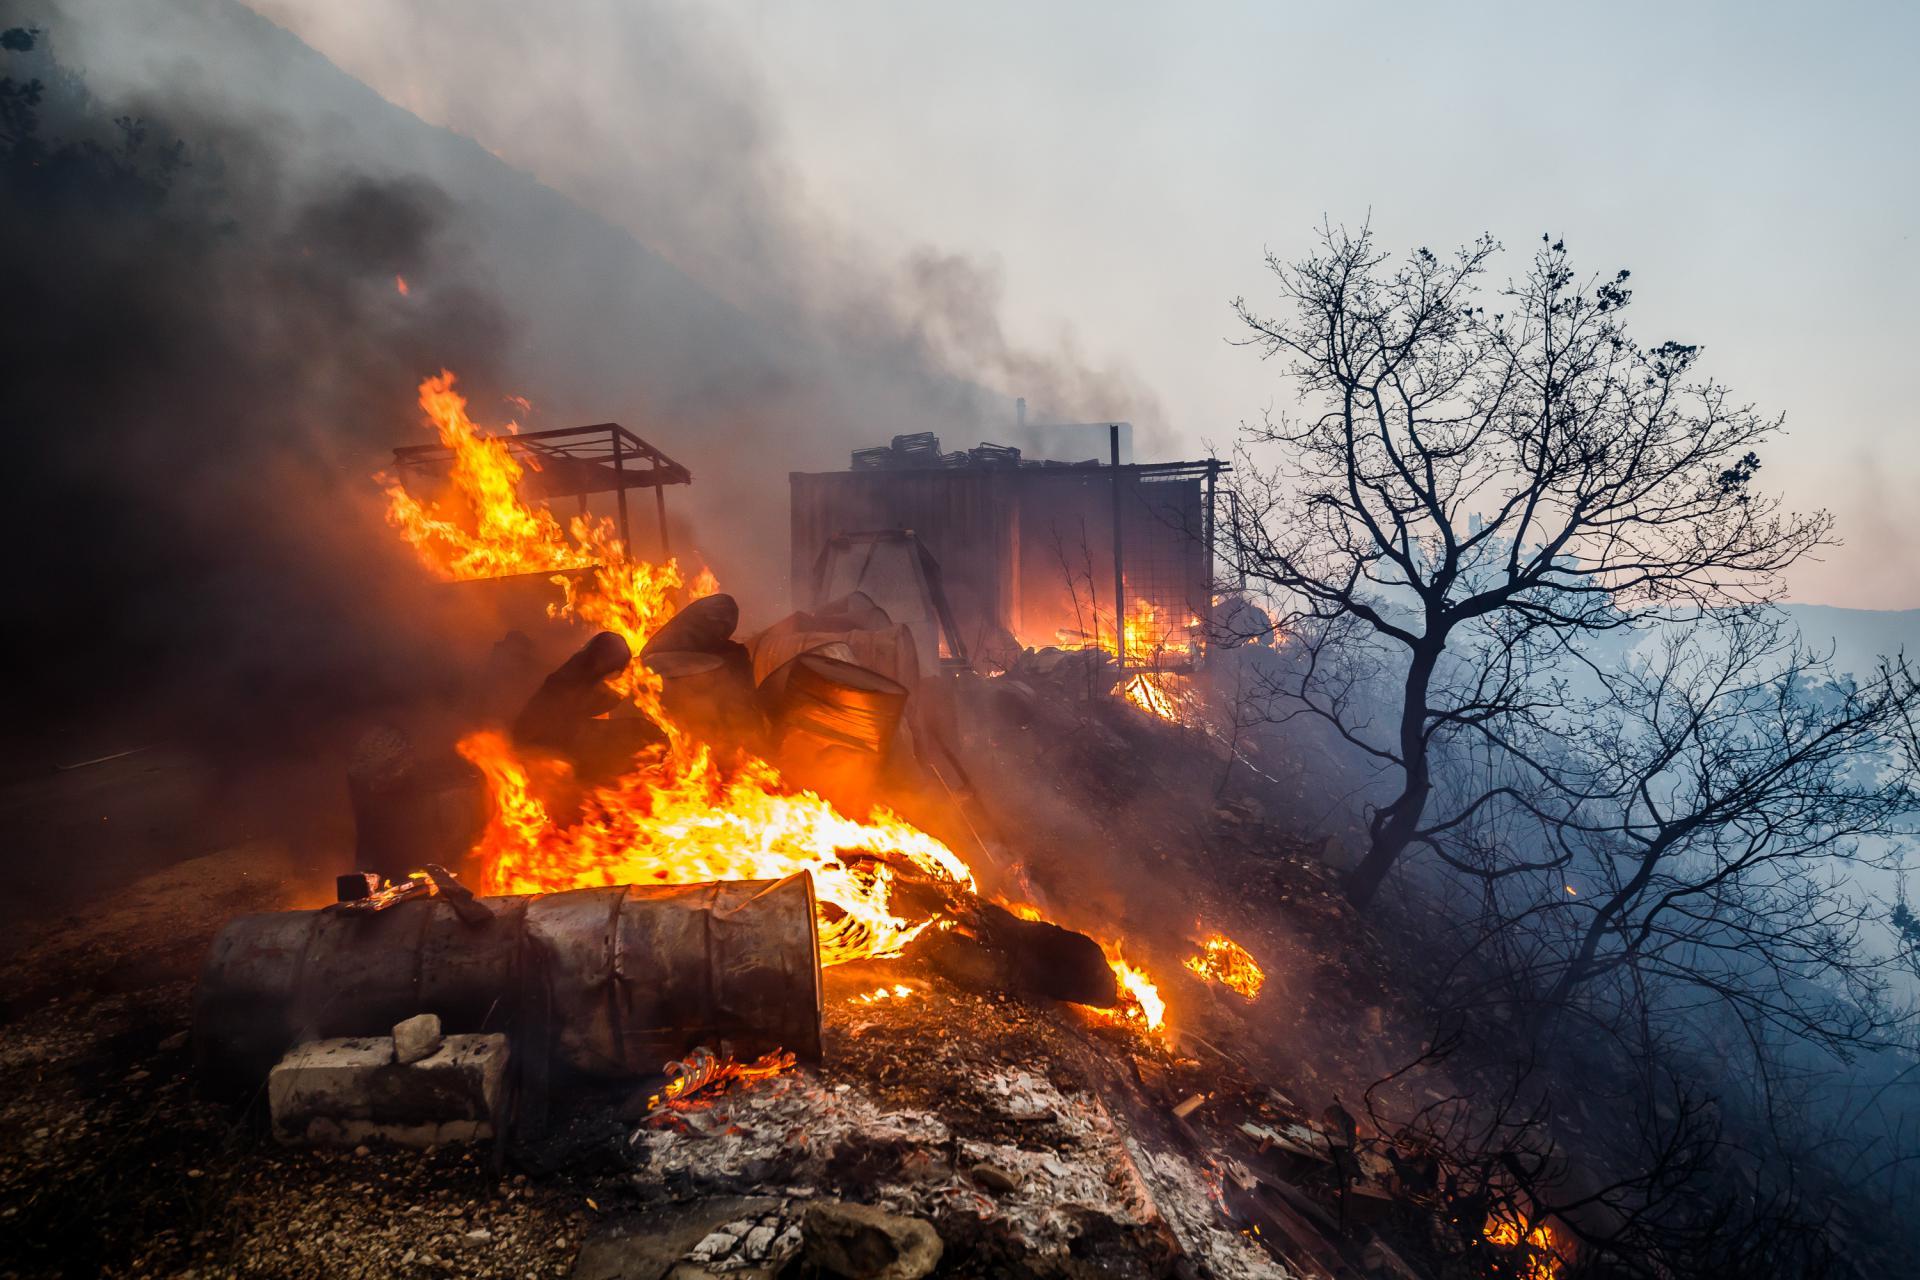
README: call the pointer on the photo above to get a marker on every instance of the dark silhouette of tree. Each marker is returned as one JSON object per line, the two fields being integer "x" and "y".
{"x": 1465, "y": 494}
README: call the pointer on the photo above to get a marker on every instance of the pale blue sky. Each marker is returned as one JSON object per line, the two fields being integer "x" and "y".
{"x": 1121, "y": 169}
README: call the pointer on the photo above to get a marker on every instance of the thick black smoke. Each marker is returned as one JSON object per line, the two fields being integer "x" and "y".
{"x": 202, "y": 353}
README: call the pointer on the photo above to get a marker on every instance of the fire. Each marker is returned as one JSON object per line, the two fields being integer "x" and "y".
{"x": 679, "y": 815}
{"x": 703, "y": 1068}
{"x": 1542, "y": 1258}
{"x": 1226, "y": 962}
{"x": 400, "y": 286}
{"x": 1152, "y": 637}
{"x": 898, "y": 991}
{"x": 1140, "y": 1000}
{"x": 1151, "y": 694}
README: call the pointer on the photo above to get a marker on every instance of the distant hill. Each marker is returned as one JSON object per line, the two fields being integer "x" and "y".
{"x": 1858, "y": 636}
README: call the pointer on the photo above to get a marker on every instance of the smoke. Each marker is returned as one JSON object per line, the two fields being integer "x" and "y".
{"x": 651, "y": 115}
{"x": 701, "y": 298}
{"x": 202, "y": 347}
{"x": 216, "y": 357}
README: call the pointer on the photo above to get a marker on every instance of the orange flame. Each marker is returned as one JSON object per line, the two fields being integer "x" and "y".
{"x": 1541, "y": 1259}
{"x": 1152, "y": 637}
{"x": 703, "y": 1069}
{"x": 1226, "y": 962}
{"x": 679, "y": 815}
{"x": 1140, "y": 1001}
{"x": 1153, "y": 695}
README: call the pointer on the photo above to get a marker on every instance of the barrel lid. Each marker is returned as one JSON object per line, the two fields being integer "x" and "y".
{"x": 848, "y": 675}
{"x": 679, "y": 665}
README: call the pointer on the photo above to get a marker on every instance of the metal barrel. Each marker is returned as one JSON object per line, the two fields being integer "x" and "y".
{"x": 704, "y": 693}
{"x": 611, "y": 981}
{"x": 835, "y": 727}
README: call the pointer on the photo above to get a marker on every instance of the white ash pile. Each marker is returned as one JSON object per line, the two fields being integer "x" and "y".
{"x": 1038, "y": 1179}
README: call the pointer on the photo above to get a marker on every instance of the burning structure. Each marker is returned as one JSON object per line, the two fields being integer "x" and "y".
{"x": 1032, "y": 554}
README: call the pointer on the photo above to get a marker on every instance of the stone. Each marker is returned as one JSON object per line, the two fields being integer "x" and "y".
{"x": 860, "y": 1242}
{"x": 656, "y": 1243}
{"x": 416, "y": 1038}
{"x": 716, "y": 1244}
{"x": 759, "y": 1242}
{"x": 994, "y": 1178}
{"x": 347, "y": 1091}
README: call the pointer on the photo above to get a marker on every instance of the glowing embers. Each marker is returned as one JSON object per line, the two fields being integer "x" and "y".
{"x": 898, "y": 991}
{"x": 1542, "y": 1256}
{"x": 1226, "y": 962}
{"x": 703, "y": 1071}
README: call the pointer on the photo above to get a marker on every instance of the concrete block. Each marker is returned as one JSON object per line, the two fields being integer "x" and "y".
{"x": 344, "y": 1092}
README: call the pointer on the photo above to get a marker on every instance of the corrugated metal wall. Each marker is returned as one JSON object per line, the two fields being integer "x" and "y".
{"x": 1016, "y": 545}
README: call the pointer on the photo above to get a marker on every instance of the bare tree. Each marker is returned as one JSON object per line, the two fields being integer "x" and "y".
{"x": 1466, "y": 493}
{"x": 1743, "y": 779}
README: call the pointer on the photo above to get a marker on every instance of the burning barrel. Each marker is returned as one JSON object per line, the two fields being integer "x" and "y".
{"x": 835, "y": 726}
{"x": 610, "y": 982}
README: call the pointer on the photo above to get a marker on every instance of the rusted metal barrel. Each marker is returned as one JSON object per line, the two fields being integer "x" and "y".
{"x": 610, "y": 981}
{"x": 835, "y": 727}
{"x": 709, "y": 695}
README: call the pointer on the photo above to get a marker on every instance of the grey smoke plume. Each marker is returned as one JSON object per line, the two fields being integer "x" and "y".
{"x": 682, "y": 286}
{"x": 215, "y": 368}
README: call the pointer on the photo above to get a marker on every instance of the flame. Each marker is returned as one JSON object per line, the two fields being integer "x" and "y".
{"x": 898, "y": 991}
{"x": 1226, "y": 962}
{"x": 702, "y": 1069}
{"x": 1140, "y": 1001}
{"x": 400, "y": 286}
{"x": 1153, "y": 695}
{"x": 1542, "y": 1258}
{"x": 1152, "y": 638}
{"x": 679, "y": 815}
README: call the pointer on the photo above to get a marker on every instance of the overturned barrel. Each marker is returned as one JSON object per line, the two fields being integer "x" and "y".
{"x": 609, "y": 982}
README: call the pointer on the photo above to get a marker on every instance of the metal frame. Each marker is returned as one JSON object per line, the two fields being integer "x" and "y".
{"x": 929, "y": 567}
{"x": 574, "y": 462}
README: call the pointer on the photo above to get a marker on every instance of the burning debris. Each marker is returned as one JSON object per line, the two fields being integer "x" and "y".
{"x": 678, "y": 813}
{"x": 704, "y": 1069}
{"x": 1226, "y": 962}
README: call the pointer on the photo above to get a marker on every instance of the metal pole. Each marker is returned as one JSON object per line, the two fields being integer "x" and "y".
{"x": 1213, "y": 477}
{"x": 660, "y": 507}
{"x": 620, "y": 478}
{"x": 1119, "y": 565}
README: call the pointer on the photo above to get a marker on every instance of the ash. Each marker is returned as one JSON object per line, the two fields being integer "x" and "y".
{"x": 998, "y": 1155}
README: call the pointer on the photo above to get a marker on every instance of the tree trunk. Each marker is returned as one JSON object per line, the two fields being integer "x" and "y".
{"x": 1393, "y": 827}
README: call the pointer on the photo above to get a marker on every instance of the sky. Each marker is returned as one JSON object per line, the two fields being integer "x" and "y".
{"x": 1116, "y": 173}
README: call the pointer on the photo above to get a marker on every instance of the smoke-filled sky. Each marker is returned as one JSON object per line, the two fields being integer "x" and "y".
{"x": 1061, "y": 200}
{"x": 1120, "y": 169}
